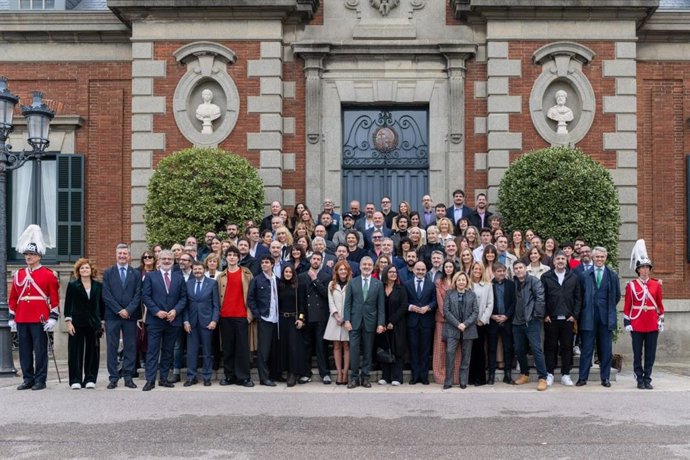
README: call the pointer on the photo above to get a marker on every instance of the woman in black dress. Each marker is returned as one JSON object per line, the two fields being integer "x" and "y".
{"x": 83, "y": 313}
{"x": 292, "y": 317}
{"x": 395, "y": 336}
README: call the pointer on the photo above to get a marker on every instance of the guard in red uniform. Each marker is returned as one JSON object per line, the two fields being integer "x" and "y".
{"x": 643, "y": 315}
{"x": 34, "y": 305}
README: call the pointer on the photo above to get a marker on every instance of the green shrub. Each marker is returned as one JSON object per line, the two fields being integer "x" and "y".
{"x": 561, "y": 192}
{"x": 200, "y": 189}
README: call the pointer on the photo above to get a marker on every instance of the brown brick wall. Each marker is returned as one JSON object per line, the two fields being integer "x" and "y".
{"x": 663, "y": 104}
{"x": 99, "y": 92}
{"x": 474, "y": 143}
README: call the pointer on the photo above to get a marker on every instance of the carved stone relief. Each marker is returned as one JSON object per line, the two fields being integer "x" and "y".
{"x": 562, "y": 101}
{"x": 206, "y": 102}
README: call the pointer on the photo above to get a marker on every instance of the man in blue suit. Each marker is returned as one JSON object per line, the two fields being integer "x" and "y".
{"x": 379, "y": 226}
{"x": 122, "y": 299}
{"x": 598, "y": 318}
{"x": 200, "y": 320}
{"x": 165, "y": 297}
{"x": 421, "y": 293}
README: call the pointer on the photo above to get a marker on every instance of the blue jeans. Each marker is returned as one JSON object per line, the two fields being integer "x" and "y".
{"x": 522, "y": 333}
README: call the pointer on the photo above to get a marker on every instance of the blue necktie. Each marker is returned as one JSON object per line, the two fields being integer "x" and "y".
{"x": 419, "y": 288}
{"x": 123, "y": 276}
{"x": 198, "y": 288}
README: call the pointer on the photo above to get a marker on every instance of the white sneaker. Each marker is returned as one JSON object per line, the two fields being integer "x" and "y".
{"x": 549, "y": 380}
{"x": 565, "y": 380}
{"x": 382, "y": 382}
{"x": 90, "y": 385}
{"x": 395, "y": 383}
{"x": 76, "y": 386}
{"x": 576, "y": 351}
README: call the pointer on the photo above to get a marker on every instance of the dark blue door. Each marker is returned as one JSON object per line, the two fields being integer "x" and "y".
{"x": 385, "y": 152}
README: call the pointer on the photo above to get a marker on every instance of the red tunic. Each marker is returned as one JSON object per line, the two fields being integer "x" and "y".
{"x": 642, "y": 300}
{"x": 233, "y": 301}
{"x": 27, "y": 303}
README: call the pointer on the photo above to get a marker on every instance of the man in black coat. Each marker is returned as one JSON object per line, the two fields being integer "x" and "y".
{"x": 563, "y": 299}
{"x": 501, "y": 324}
{"x": 313, "y": 285}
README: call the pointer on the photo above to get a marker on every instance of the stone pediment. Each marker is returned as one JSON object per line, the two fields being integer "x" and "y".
{"x": 385, "y": 19}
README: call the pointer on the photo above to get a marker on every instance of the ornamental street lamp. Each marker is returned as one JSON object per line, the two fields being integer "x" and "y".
{"x": 38, "y": 117}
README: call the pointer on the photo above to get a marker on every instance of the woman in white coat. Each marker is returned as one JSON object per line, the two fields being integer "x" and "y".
{"x": 335, "y": 331}
{"x": 483, "y": 289}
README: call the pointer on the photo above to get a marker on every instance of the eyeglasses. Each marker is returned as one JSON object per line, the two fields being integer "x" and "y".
{"x": 385, "y": 202}
{"x": 147, "y": 257}
{"x": 376, "y": 237}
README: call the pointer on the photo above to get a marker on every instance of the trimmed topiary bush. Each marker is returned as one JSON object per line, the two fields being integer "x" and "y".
{"x": 563, "y": 193}
{"x": 200, "y": 189}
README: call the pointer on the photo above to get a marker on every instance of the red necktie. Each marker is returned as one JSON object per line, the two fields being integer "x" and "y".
{"x": 167, "y": 281}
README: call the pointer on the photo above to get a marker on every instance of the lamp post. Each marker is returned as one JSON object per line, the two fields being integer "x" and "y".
{"x": 38, "y": 117}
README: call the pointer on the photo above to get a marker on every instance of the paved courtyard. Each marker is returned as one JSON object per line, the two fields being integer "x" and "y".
{"x": 316, "y": 420}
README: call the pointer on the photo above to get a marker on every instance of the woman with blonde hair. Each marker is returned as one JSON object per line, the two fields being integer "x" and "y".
{"x": 335, "y": 330}
{"x": 466, "y": 260}
{"x": 460, "y": 310}
{"x": 212, "y": 266}
{"x": 445, "y": 230}
{"x": 83, "y": 315}
{"x": 472, "y": 235}
{"x": 483, "y": 289}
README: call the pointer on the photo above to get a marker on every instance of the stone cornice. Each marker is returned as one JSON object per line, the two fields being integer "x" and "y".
{"x": 671, "y": 26}
{"x": 638, "y": 10}
{"x": 69, "y": 26}
{"x": 141, "y": 10}
{"x": 384, "y": 47}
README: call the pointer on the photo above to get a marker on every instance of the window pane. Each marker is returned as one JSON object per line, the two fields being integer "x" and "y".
{"x": 25, "y": 4}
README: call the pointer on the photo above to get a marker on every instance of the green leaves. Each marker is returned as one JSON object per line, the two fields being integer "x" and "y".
{"x": 563, "y": 193}
{"x": 198, "y": 189}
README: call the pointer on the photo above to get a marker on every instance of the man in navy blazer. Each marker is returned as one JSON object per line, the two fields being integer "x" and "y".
{"x": 421, "y": 293}
{"x": 598, "y": 318}
{"x": 165, "y": 298}
{"x": 200, "y": 320}
{"x": 380, "y": 225}
{"x": 459, "y": 209}
{"x": 122, "y": 299}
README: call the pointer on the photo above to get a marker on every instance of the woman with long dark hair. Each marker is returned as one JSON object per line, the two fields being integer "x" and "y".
{"x": 439, "y": 353}
{"x": 292, "y": 317}
{"x": 395, "y": 336}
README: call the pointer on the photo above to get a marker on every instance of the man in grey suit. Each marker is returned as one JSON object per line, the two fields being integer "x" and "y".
{"x": 200, "y": 318}
{"x": 364, "y": 314}
{"x": 122, "y": 299}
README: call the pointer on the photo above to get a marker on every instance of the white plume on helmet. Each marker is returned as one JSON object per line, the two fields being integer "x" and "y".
{"x": 639, "y": 257}
{"x": 31, "y": 240}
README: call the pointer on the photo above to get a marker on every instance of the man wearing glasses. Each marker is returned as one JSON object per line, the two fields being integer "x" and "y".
{"x": 388, "y": 214}
{"x": 379, "y": 227}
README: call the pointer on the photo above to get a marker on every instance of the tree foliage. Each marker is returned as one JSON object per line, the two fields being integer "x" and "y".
{"x": 563, "y": 193}
{"x": 200, "y": 189}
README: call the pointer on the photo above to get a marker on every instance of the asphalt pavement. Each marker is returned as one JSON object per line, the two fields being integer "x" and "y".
{"x": 329, "y": 421}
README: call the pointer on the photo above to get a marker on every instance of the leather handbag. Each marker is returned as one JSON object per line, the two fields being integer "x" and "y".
{"x": 385, "y": 355}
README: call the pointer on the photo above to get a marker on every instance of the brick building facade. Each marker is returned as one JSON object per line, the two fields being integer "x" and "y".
{"x": 115, "y": 68}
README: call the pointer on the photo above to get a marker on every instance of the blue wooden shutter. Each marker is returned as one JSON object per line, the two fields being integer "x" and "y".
{"x": 70, "y": 207}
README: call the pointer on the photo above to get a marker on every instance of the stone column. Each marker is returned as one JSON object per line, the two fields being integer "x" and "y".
{"x": 500, "y": 104}
{"x": 144, "y": 140}
{"x": 624, "y": 141}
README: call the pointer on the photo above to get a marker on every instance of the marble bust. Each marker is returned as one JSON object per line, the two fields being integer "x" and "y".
{"x": 207, "y": 112}
{"x": 560, "y": 112}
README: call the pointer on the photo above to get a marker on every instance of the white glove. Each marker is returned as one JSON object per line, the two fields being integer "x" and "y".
{"x": 661, "y": 324}
{"x": 628, "y": 328}
{"x": 12, "y": 324}
{"x": 49, "y": 325}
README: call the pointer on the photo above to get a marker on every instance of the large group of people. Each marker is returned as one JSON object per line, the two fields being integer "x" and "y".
{"x": 444, "y": 289}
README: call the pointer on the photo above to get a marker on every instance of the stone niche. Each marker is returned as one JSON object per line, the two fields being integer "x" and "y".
{"x": 562, "y": 64}
{"x": 206, "y": 70}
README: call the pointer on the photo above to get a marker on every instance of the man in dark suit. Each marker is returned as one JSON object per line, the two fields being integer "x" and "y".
{"x": 200, "y": 320}
{"x": 598, "y": 318}
{"x": 388, "y": 213}
{"x": 421, "y": 294}
{"x": 501, "y": 324}
{"x": 480, "y": 216}
{"x": 313, "y": 287}
{"x": 122, "y": 299}
{"x": 459, "y": 208}
{"x": 364, "y": 315}
{"x": 246, "y": 260}
{"x": 165, "y": 297}
{"x": 367, "y": 220}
